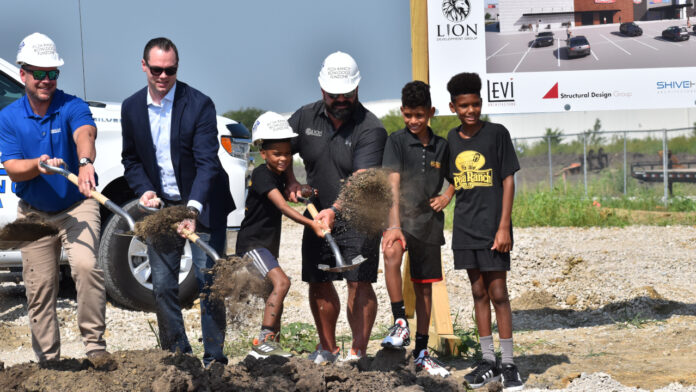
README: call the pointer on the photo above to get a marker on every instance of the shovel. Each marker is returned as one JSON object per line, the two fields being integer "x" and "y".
{"x": 103, "y": 200}
{"x": 196, "y": 239}
{"x": 340, "y": 264}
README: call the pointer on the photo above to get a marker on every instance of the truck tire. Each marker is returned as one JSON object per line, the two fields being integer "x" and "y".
{"x": 127, "y": 269}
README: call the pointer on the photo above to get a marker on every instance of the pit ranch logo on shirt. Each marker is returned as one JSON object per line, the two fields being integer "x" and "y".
{"x": 470, "y": 174}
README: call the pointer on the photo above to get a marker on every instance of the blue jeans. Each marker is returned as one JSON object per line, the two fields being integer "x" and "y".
{"x": 165, "y": 281}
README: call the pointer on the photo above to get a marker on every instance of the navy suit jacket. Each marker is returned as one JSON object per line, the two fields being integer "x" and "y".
{"x": 194, "y": 147}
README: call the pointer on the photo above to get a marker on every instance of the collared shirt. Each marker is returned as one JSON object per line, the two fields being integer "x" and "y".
{"x": 422, "y": 172}
{"x": 160, "y": 126}
{"x": 332, "y": 155}
{"x": 24, "y": 135}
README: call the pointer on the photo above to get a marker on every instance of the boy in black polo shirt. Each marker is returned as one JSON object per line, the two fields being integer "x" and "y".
{"x": 482, "y": 165}
{"x": 259, "y": 235}
{"x": 418, "y": 160}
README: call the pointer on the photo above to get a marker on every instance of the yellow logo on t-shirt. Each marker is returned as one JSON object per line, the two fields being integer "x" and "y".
{"x": 469, "y": 164}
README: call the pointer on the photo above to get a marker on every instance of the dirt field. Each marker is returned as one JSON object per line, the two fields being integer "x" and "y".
{"x": 594, "y": 310}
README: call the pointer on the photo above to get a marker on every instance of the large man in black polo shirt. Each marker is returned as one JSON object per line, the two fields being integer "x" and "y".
{"x": 337, "y": 137}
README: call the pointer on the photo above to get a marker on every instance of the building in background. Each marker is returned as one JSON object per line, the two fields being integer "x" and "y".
{"x": 515, "y": 15}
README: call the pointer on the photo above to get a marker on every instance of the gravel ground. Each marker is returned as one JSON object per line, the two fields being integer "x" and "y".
{"x": 568, "y": 286}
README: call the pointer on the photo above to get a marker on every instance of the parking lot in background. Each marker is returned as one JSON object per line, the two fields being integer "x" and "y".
{"x": 513, "y": 52}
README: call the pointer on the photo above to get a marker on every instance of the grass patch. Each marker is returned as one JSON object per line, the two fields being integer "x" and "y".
{"x": 299, "y": 337}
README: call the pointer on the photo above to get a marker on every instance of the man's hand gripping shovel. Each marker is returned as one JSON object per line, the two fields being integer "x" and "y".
{"x": 341, "y": 265}
{"x": 103, "y": 200}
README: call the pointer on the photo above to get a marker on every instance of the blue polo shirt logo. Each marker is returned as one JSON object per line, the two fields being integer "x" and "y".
{"x": 57, "y": 130}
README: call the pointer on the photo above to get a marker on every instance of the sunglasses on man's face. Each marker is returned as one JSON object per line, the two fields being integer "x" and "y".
{"x": 157, "y": 71}
{"x": 40, "y": 75}
{"x": 347, "y": 95}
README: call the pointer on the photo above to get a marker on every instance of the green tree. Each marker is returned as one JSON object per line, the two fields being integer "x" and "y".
{"x": 245, "y": 116}
{"x": 556, "y": 135}
{"x": 393, "y": 121}
{"x": 593, "y": 136}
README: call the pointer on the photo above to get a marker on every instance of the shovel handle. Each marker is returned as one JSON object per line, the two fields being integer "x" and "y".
{"x": 103, "y": 200}
{"x": 196, "y": 239}
{"x": 327, "y": 235}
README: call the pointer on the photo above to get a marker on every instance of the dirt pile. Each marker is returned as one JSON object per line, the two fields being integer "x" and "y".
{"x": 239, "y": 283}
{"x": 159, "y": 371}
{"x": 157, "y": 227}
{"x": 366, "y": 199}
{"x": 30, "y": 228}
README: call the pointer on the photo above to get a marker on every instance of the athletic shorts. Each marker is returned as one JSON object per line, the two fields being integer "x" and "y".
{"x": 425, "y": 260}
{"x": 317, "y": 251}
{"x": 481, "y": 259}
{"x": 263, "y": 260}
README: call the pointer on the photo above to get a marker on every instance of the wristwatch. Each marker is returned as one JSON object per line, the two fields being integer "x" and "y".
{"x": 84, "y": 161}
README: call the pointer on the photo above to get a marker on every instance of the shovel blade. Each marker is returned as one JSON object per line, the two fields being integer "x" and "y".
{"x": 355, "y": 263}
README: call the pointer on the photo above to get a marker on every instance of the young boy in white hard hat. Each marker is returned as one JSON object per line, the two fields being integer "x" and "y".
{"x": 259, "y": 235}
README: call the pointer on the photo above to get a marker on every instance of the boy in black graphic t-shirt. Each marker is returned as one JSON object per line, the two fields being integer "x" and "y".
{"x": 482, "y": 164}
{"x": 259, "y": 235}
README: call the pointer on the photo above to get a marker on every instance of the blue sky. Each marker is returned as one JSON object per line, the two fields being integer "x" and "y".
{"x": 264, "y": 54}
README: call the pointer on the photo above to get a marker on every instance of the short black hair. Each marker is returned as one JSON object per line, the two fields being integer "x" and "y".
{"x": 160, "y": 42}
{"x": 415, "y": 94}
{"x": 266, "y": 143}
{"x": 464, "y": 83}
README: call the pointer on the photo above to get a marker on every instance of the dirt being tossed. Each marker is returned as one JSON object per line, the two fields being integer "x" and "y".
{"x": 30, "y": 228}
{"x": 239, "y": 283}
{"x": 366, "y": 200}
{"x": 157, "y": 227}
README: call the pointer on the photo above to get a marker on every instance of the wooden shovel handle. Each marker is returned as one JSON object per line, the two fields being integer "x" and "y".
{"x": 188, "y": 233}
{"x": 95, "y": 194}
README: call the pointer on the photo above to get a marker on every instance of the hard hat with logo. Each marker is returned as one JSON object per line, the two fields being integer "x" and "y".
{"x": 339, "y": 74}
{"x": 271, "y": 126}
{"x": 38, "y": 50}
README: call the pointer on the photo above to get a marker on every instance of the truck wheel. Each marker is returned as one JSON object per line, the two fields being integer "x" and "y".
{"x": 126, "y": 267}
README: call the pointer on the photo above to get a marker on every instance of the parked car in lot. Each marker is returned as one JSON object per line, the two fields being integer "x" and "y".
{"x": 545, "y": 38}
{"x": 124, "y": 259}
{"x": 630, "y": 29}
{"x": 578, "y": 46}
{"x": 675, "y": 33}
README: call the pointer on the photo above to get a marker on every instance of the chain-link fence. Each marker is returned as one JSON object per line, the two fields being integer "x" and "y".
{"x": 610, "y": 163}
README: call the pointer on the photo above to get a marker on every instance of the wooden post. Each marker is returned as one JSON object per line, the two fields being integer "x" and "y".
{"x": 441, "y": 333}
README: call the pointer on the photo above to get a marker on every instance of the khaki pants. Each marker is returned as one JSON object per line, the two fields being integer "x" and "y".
{"x": 79, "y": 228}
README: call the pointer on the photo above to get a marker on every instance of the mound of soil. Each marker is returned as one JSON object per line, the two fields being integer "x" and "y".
{"x": 157, "y": 227}
{"x": 159, "y": 371}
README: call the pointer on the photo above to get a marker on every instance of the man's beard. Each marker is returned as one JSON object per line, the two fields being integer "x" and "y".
{"x": 341, "y": 110}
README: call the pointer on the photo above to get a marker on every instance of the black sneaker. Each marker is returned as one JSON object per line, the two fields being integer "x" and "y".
{"x": 483, "y": 373}
{"x": 511, "y": 378}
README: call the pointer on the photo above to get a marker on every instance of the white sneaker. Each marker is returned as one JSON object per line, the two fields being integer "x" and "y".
{"x": 352, "y": 356}
{"x": 425, "y": 362}
{"x": 399, "y": 335}
{"x": 320, "y": 355}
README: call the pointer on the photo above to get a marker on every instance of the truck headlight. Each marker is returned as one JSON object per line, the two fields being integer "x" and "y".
{"x": 238, "y": 148}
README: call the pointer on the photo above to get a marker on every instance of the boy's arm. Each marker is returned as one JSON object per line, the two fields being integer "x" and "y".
{"x": 393, "y": 233}
{"x": 503, "y": 242}
{"x": 277, "y": 199}
{"x": 438, "y": 203}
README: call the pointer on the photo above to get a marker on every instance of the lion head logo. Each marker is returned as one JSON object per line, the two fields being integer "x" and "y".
{"x": 455, "y": 10}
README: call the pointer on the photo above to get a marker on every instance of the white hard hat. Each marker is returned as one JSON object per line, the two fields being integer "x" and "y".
{"x": 271, "y": 126}
{"x": 339, "y": 74}
{"x": 38, "y": 50}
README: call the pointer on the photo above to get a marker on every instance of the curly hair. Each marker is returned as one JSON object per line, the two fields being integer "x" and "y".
{"x": 415, "y": 94}
{"x": 464, "y": 83}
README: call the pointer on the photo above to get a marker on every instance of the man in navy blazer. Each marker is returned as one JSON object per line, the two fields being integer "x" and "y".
{"x": 170, "y": 147}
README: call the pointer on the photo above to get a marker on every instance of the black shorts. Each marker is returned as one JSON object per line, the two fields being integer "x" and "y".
{"x": 481, "y": 259}
{"x": 263, "y": 260}
{"x": 317, "y": 251}
{"x": 425, "y": 260}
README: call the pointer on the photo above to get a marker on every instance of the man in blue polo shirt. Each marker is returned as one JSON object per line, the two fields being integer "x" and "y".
{"x": 47, "y": 125}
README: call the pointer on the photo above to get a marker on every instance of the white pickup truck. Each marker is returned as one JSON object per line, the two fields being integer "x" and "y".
{"x": 124, "y": 259}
